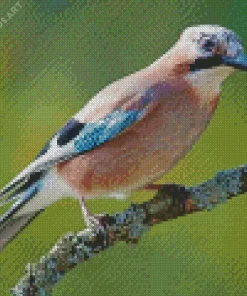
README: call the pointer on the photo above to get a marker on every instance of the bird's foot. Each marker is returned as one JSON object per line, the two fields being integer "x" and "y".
{"x": 95, "y": 222}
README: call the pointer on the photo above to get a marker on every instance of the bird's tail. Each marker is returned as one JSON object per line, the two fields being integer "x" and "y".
{"x": 22, "y": 210}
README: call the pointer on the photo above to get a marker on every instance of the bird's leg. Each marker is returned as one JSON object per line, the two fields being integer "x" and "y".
{"x": 90, "y": 220}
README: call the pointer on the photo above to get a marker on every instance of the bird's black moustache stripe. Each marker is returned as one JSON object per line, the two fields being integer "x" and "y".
{"x": 206, "y": 63}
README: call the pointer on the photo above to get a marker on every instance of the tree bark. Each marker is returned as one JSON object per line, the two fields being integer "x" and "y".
{"x": 171, "y": 201}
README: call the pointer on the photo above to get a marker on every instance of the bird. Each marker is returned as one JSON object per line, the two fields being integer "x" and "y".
{"x": 131, "y": 132}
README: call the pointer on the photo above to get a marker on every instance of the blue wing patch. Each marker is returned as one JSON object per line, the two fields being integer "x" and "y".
{"x": 95, "y": 134}
{"x": 87, "y": 136}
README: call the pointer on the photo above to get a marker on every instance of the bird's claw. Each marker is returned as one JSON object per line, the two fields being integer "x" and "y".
{"x": 94, "y": 223}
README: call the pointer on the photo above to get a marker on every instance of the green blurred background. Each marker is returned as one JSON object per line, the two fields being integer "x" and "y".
{"x": 54, "y": 56}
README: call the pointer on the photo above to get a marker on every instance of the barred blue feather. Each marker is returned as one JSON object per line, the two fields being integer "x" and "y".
{"x": 95, "y": 134}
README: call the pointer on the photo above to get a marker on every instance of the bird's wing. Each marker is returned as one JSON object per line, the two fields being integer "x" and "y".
{"x": 77, "y": 138}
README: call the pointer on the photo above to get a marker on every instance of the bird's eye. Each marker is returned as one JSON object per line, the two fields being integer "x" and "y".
{"x": 208, "y": 45}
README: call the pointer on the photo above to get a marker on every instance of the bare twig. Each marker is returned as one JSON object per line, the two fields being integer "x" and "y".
{"x": 170, "y": 202}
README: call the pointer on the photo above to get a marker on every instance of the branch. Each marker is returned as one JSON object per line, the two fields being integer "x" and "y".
{"x": 170, "y": 202}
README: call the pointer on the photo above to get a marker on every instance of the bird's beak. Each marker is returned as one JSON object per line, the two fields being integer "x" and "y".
{"x": 238, "y": 62}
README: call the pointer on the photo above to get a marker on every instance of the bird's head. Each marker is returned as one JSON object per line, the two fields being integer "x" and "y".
{"x": 209, "y": 46}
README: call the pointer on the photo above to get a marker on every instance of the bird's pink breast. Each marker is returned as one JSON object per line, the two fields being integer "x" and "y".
{"x": 146, "y": 150}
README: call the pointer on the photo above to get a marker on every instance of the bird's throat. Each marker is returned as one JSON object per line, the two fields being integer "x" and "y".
{"x": 207, "y": 82}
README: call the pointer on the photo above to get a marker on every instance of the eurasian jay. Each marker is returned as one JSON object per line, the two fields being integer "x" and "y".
{"x": 132, "y": 132}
